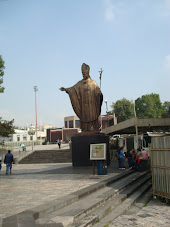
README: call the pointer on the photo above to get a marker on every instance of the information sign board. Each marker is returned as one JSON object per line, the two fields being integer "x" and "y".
{"x": 98, "y": 151}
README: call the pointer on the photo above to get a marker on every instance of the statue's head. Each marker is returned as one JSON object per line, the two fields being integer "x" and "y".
{"x": 85, "y": 70}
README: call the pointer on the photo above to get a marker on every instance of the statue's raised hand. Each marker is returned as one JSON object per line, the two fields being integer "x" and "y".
{"x": 62, "y": 89}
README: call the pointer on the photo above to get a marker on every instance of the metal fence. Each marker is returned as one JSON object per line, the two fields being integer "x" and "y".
{"x": 12, "y": 145}
{"x": 160, "y": 166}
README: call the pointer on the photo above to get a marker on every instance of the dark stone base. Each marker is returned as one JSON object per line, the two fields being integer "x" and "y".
{"x": 81, "y": 147}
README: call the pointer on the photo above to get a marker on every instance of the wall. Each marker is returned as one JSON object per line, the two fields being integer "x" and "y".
{"x": 53, "y": 135}
{"x": 68, "y": 133}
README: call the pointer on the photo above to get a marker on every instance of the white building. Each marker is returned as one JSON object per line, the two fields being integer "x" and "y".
{"x": 19, "y": 136}
{"x": 71, "y": 122}
{"x": 22, "y": 135}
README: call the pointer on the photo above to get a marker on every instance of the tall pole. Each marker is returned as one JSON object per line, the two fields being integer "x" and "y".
{"x": 107, "y": 112}
{"x": 35, "y": 90}
{"x": 136, "y": 127}
{"x": 100, "y": 72}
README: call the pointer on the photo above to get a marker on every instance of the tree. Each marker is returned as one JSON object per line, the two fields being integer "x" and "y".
{"x": 149, "y": 106}
{"x": 2, "y": 67}
{"x": 123, "y": 109}
{"x": 6, "y": 128}
{"x": 166, "y": 109}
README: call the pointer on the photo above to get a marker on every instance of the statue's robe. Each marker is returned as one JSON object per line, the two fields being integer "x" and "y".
{"x": 86, "y": 99}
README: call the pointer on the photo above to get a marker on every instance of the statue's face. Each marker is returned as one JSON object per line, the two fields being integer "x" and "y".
{"x": 85, "y": 75}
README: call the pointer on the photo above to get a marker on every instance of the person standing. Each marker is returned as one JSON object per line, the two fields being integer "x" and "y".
{"x": 8, "y": 161}
{"x": 59, "y": 144}
{"x": 121, "y": 159}
{"x": 117, "y": 156}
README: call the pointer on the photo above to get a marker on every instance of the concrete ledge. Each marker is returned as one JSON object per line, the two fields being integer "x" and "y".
{"x": 25, "y": 220}
{"x": 41, "y": 210}
{"x": 19, "y": 220}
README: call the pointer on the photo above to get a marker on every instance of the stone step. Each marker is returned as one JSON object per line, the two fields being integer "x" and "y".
{"x": 140, "y": 203}
{"x": 28, "y": 217}
{"x": 49, "y": 156}
{"x": 78, "y": 210}
{"x": 125, "y": 205}
{"x": 103, "y": 216}
{"x": 42, "y": 210}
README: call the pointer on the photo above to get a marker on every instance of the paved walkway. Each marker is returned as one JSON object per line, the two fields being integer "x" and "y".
{"x": 31, "y": 185}
{"x": 35, "y": 184}
{"x": 154, "y": 214}
{"x": 43, "y": 147}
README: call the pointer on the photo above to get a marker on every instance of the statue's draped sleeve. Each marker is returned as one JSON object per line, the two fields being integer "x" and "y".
{"x": 75, "y": 98}
{"x": 86, "y": 99}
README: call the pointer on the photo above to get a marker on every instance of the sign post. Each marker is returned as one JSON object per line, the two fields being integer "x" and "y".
{"x": 98, "y": 152}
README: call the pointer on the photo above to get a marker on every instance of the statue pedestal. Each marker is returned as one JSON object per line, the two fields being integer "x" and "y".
{"x": 81, "y": 147}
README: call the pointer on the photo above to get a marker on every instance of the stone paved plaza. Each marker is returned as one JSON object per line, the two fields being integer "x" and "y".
{"x": 155, "y": 214}
{"x": 31, "y": 185}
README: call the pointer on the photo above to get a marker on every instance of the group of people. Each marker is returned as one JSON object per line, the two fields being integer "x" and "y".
{"x": 134, "y": 158}
{"x": 8, "y": 160}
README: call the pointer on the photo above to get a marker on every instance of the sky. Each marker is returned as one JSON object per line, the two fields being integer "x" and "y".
{"x": 45, "y": 42}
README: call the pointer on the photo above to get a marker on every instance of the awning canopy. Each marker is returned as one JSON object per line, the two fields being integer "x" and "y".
{"x": 143, "y": 125}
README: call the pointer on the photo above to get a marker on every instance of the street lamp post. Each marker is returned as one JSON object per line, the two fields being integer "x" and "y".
{"x": 136, "y": 127}
{"x": 107, "y": 113}
{"x": 100, "y": 72}
{"x": 35, "y": 90}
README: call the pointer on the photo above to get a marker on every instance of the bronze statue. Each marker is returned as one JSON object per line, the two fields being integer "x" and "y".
{"x": 86, "y": 99}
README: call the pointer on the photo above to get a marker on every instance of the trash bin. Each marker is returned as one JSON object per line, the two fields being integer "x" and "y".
{"x": 100, "y": 168}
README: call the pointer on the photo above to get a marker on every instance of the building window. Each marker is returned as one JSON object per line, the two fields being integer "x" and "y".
{"x": 77, "y": 123}
{"x": 70, "y": 124}
{"x": 18, "y": 138}
{"x": 65, "y": 124}
{"x": 24, "y": 138}
{"x": 31, "y": 137}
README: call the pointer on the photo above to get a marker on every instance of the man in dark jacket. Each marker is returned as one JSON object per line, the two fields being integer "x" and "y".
{"x": 8, "y": 161}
